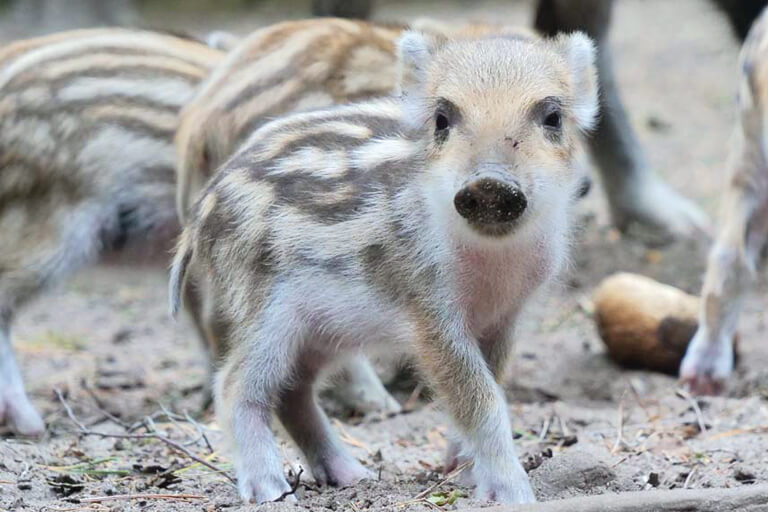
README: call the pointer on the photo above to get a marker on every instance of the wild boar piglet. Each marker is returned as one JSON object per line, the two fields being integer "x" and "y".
{"x": 422, "y": 221}
{"x": 739, "y": 250}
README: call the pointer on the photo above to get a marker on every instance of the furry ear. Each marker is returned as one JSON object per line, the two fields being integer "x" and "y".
{"x": 579, "y": 53}
{"x": 415, "y": 51}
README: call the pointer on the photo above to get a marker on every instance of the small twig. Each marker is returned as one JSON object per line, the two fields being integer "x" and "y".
{"x": 638, "y": 399}
{"x": 120, "y": 497}
{"x": 100, "y": 406}
{"x": 450, "y": 476}
{"x": 67, "y": 408}
{"x": 620, "y": 428}
{"x": 429, "y": 504}
{"x": 152, "y": 435}
{"x": 696, "y": 410}
{"x": 24, "y": 472}
{"x": 200, "y": 431}
{"x": 143, "y": 423}
{"x": 545, "y": 428}
{"x": 294, "y": 486}
{"x": 177, "y": 424}
{"x": 689, "y": 477}
{"x": 620, "y": 461}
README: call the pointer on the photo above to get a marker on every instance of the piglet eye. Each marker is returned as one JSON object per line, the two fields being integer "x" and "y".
{"x": 441, "y": 122}
{"x": 442, "y": 126}
{"x": 553, "y": 120}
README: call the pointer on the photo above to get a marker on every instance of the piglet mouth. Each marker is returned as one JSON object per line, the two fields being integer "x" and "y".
{"x": 492, "y": 203}
{"x": 494, "y": 230}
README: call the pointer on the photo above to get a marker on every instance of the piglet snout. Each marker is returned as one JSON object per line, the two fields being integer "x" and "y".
{"x": 490, "y": 200}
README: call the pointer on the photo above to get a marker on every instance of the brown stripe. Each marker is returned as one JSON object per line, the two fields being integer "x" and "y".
{"x": 107, "y": 65}
{"x": 126, "y": 73}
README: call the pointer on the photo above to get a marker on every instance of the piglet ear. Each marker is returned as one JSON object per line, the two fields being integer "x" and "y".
{"x": 415, "y": 52}
{"x": 578, "y": 50}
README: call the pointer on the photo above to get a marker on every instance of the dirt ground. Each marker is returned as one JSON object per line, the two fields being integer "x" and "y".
{"x": 106, "y": 341}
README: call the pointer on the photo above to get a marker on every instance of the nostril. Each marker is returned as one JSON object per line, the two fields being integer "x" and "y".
{"x": 512, "y": 204}
{"x": 466, "y": 203}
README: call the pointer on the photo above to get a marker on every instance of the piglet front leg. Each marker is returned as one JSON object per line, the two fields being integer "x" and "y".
{"x": 456, "y": 367}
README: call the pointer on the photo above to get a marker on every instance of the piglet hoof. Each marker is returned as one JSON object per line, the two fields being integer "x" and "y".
{"x": 258, "y": 488}
{"x": 340, "y": 471}
{"x": 504, "y": 487}
{"x": 506, "y": 493}
{"x": 19, "y": 414}
{"x": 384, "y": 404}
{"x": 369, "y": 397}
{"x": 703, "y": 385}
{"x": 707, "y": 365}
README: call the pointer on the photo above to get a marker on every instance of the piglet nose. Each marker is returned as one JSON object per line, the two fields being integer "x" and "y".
{"x": 489, "y": 200}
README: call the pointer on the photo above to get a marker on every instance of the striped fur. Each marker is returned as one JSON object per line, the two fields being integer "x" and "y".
{"x": 337, "y": 230}
{"x": 291, "y": 66}
{"x": 87, "y": 120}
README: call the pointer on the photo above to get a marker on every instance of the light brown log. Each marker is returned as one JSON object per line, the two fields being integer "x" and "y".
{"x": 752, "y": 498}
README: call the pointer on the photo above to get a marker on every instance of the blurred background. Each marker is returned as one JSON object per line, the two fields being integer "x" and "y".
{"x": 24, "y": 18}
{"x": 675, "y": 60}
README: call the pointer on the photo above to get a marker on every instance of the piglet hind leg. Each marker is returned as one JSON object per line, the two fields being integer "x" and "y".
{"x": 247, "y": 388}
{"x": 309, "y": 427}
{"x": 457, "y": 368}
{"x": 15, "y": 408}
{"x": 359, "y": 387}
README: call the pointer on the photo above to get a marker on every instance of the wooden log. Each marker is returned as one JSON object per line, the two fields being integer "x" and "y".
{"x": 752, "y": 498}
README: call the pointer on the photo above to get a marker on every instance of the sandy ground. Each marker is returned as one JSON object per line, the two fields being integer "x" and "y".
{"x": 105, "y": 340}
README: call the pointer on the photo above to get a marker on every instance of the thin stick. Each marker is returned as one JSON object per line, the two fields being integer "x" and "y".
{"x": 638, "y": 399}
{"x": 178, "y": 425}
{"x": 689, "y": 477}
{"x": 620, "y": 428}
{"x": 120, "y": 497}
{"x": 450, "y": 476}
{"x": 429, "y": 504}
{"x": 153, "y": 435}
{"x": 696, "y": 410}
{"x": 294, "y": 486}
{"x": 100, "y": 406}
{"x": 71, "y": 414}
{"x": 199, "y": 431}
{"x": 620, "y": 461}
{"x": 545, "y": 428}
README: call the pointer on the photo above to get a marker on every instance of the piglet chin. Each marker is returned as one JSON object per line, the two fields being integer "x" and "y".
{"x": 496, "y": 282}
